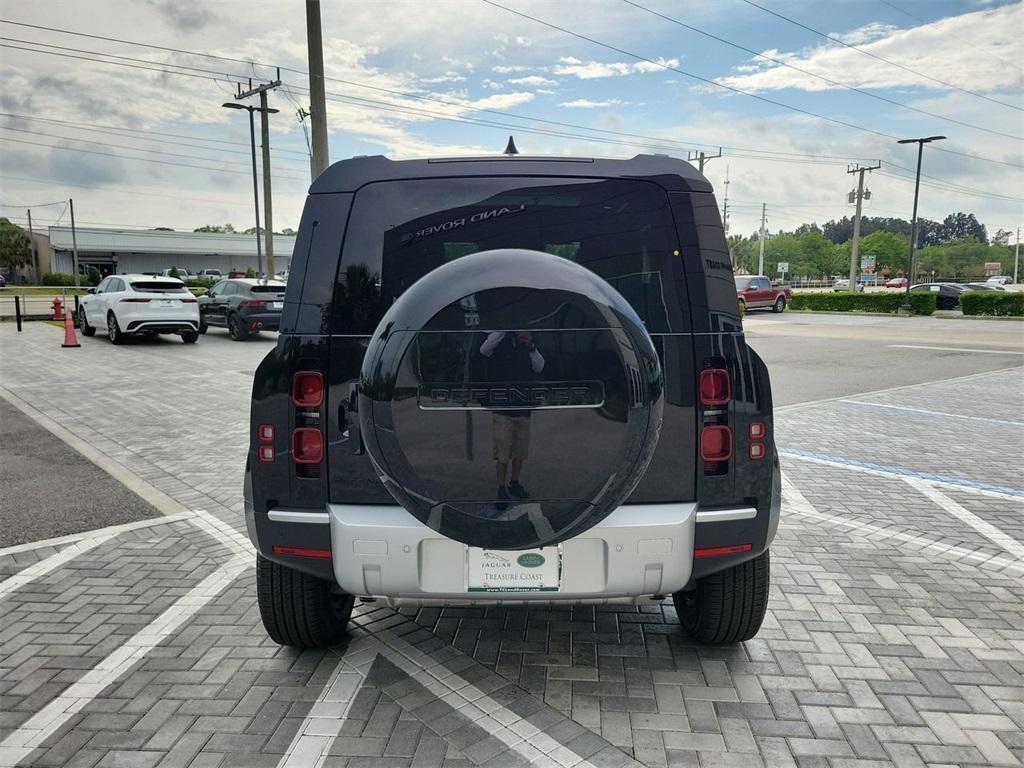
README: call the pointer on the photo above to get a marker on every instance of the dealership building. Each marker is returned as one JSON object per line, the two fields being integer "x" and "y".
{"x": 117, "y": 251}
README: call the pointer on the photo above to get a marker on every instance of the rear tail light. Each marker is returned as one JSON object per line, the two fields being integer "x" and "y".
{"x": 757, "y": 430}
{"x": 716, "y": 551}
{"x": 266, "y": 453}
{"x": 715, "y": 387}
{"x": 135, "y": 301}
{"x": 265, "y": 432}
{"x": 253, "y": 303}
{"x": 307, "y": 445}
{"x": 757, "y": 451}
{"x": 187, "y": 300}
{"x": 322, "y": 554}
{"x": 308, "y": 389}
{"x": 716, "y": 443}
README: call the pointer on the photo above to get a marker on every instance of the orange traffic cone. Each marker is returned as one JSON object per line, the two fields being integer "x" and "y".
{"x": 70, "y": 337}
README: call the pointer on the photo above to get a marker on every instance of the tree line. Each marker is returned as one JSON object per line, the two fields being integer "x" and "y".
{"x": 957, "y": 247}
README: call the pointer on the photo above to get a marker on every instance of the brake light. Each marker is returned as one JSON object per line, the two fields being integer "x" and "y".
{"x": 715, "y": 387}
{"x": 135, "y": 301}
{"x": 308, "y": 389}
{"x": 307, "y": 445}
{"x": 715, "y": 443}
{"x": 757, "y": 430}
{"x": 322, "y": 554}
{"x": 252, "y": 303}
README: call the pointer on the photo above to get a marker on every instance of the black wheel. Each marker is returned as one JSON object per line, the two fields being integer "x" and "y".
{"x": 190, "y": 337}
{"x": 780, "y": 305}
{"x": 83, "y": 324}
{"x": 202, "y": 325}
{"x": 236, "y": 329}
{"x": 114, "y": 332}
{"x": 300, "y": 610}
{"x": 726, "y": 607}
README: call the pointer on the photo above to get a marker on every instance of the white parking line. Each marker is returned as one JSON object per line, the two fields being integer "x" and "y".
{"x": 926, "y": 412}
{"x": 111, "y": 530}
{"x": 982, "y": 526}
{"x": 31, "y": 734}
{"x": 796, "y": 504}
{"x": 958, "y": 349}
{"x": 49, "y": 564}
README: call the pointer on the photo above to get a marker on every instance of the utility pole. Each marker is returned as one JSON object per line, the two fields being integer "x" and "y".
{"x": 317, "y": 100}
{"x": 268, "y": 210}
{"x": 268, "y": 214}
{"x": 855, "y": 249}
{"x": 1017, "y": 253}
{"x": 725, "y": 205}
{"x": 701, "y": 158}
{"x": 760, "y": 255}
{"x": 35, "y": 254}
{"x": 74, "y": 243}
{"x": 913, "y": 221}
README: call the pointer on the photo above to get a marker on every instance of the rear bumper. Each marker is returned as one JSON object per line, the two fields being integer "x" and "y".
{"x": 261, "y": 321}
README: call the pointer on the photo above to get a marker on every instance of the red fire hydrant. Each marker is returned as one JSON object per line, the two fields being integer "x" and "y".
{"x": 58, "y": 309}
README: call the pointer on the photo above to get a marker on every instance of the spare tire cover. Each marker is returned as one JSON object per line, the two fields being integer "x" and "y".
{"x": 510, "y": 362}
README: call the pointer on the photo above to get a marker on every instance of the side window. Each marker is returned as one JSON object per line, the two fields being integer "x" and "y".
{"x": 229, "y": 289}
{"x": 116, "y": 285}
{"x": 104, "y": 284}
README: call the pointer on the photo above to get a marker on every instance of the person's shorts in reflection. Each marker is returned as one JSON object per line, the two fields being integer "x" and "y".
{"x": 511, "y": 438}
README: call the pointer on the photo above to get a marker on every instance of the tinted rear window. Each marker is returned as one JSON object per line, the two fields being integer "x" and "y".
{"x": 158, "y": 286}
{"x": 267, "y": 289}
{"x": 622, "y": 229}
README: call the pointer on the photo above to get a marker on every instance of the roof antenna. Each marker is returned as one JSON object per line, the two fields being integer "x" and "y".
{"x": 510, "y": 149}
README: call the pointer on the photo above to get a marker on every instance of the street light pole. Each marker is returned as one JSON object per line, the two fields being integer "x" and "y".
{"x": 913, "y": 222}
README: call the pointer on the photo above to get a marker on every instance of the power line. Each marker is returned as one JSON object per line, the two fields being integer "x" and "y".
{"x": 819, "y": 77}
{"x": 879, "y": 58}
{"x": 461, "y": 104}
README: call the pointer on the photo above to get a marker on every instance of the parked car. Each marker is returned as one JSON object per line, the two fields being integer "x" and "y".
{"x": 210, "y": 274}
{"x": 183, "y": 273}
{"x": 3, "y": 281}
{"x": 757, "y": 292}
{"x": 984, "y": 287}
{"x": 242, "y": 305}
{"x": 134, "y": 305}
{"x": 1000, "y": 280}
{"x": 843, "y": 284}
{"x": 235, "y": 273}
{"x": 947, "y": 294}
{"x": 896, "y": 282}
{"x": 441, "y": 318}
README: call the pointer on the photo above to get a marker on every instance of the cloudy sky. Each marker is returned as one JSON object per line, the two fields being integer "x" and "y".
{"x": 131, "y": 125}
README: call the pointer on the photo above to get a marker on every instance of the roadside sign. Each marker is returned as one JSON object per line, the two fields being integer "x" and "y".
{"x": 867, "y": 263}
{"x": 783, "y": 267}
{"x": 992, "y": 268}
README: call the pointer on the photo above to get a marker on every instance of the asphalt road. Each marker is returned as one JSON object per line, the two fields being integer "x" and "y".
{"x": 48, "y": 489}
{"x": 816, "y": 357}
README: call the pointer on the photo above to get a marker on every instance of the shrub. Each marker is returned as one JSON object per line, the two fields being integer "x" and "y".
{"x": 920, "y": 303}
{"x": 250, "y": 272}
{"x": 58, "y": 278}
{"x": 197, "y": 290}
{"x": 998, "y": 303}
{"x": 200, "y": 282}
{"x": 94, "y": 276}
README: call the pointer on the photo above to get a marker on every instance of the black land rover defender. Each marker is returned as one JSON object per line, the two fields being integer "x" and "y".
{"x": 511, "y": 379}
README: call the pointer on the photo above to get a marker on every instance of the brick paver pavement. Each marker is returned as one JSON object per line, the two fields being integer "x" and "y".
{"x": 895, "y": 632}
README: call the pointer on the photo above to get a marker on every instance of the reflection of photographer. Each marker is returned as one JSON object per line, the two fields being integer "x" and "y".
{"x": 514, "y": 358}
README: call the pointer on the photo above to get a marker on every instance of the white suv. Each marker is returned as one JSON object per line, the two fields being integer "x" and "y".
{"x": 128, "y": 305}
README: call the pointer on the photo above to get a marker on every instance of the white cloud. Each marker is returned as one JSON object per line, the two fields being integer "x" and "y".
{"x": 503, "y": 69}
{"x": 866, "y": 34}
{"x": 592, "y": 70}
{"x": 535, "y": 80}
{"x": 447, "y": 77}
{"x": 502, "y": 100}
{"x": 588, "y": 104}
{"x": 935, "y": 49}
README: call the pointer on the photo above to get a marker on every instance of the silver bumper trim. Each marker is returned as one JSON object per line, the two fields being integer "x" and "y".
{"x": 295, "y": 516}
{"x": 725, "y": 515}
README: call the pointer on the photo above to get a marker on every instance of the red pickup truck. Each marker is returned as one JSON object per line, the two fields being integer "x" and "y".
{"x": 757, "y": 292}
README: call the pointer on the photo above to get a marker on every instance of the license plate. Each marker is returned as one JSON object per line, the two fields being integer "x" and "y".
{"x": 527, "y": 570}
{"x": 167, "y": 302}
{"x": 276, "y": 304}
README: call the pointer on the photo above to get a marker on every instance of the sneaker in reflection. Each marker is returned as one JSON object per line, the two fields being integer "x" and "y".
{"x": 515, "y": 489}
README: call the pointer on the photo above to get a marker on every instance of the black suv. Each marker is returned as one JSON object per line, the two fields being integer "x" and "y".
{"x": 243, "y": 306}
{"x": 511, "y": 379}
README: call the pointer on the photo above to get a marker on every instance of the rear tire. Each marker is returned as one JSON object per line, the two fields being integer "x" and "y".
{"x": 236, "y": 330}
{"x": 780, "y": 305}
{"x": 83, "y": 324}
{"x": 190, "y": 337}
{"x": 298, "y": 609}
{"x": 726, "y": 607}
{"x": 114, "y": 332}
{"x": 202, "y": 326}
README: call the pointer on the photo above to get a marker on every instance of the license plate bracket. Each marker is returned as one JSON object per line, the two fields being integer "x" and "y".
{"x": 528, "y": 570}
